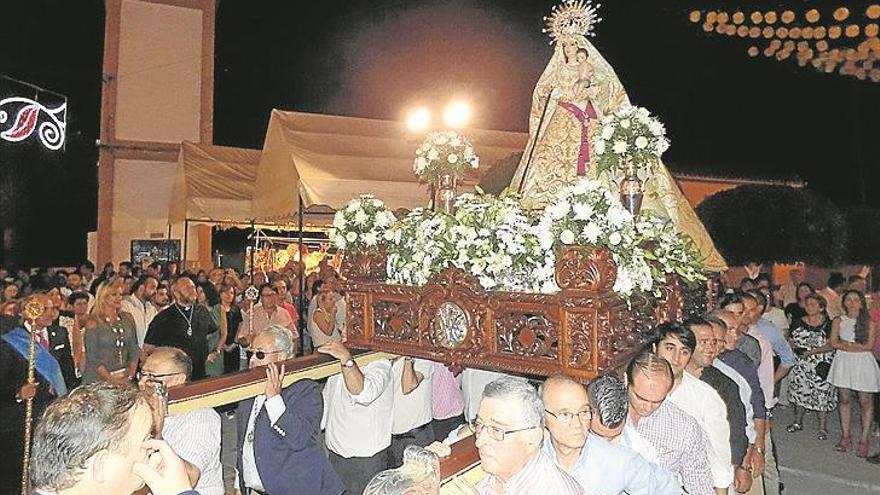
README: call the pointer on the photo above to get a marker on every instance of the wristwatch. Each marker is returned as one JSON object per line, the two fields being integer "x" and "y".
{"x": 348, "y": 364}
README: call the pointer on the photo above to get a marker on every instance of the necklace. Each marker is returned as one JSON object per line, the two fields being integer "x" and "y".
{"x": 119, "y": 333}
{"x": 188, "y": 319}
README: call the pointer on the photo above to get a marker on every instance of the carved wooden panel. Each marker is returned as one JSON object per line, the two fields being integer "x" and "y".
{"x": 585, "y": 269}
{"x": 361, "y": 266}
{"x": 582, "y": 331}
{"x": 396, "y": 321}
{"x": 527, "y": 333}
{"x": 355, "y": 316}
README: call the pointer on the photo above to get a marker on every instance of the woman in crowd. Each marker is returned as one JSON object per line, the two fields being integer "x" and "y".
{"x": 325, "y": 321}
{"x": 9, "y": 292}
{"x": 231, "y": 313}
{"x": 9, "y": 308}
{"x": 112, "y": 351}
{"x": 208, "y": 297}
{"x": 795, "y": 311}
{"x": 854, "y": 370}
{"x": 808, "y": 388}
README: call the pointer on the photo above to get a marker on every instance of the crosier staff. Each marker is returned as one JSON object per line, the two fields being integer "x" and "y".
{"x": 33, "y": 309}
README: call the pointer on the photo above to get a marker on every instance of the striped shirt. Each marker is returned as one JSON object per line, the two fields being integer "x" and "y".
{"x": 195, "y": 436}
{"x": 540, "y": 475}
{"x": 446, "y": 393}
{"x": 680, "y": 445}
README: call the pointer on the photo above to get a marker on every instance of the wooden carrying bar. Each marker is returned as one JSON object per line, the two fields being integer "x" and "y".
{"x": 235, "y": 387}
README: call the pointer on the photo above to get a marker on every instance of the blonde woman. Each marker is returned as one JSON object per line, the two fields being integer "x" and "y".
{"x": 111, "y": 339}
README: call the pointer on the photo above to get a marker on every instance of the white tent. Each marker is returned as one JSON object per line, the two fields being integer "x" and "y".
{"x": 328, "y": 160}
{"x": 214, "y": 183}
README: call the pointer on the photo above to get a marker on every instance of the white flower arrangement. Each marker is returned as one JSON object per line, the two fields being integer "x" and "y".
{"x": 668, "y": 251}
{"x": 490, "y": 238}
{"x": 361, "y": 225}
{"x": 588, "y": 214}
{"x": 628, "y": 137}
{"x": 496, "y": 241}
{"x": 444, "y": 152}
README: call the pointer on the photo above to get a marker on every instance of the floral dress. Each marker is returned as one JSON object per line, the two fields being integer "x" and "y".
{"x": 806, "y": 388}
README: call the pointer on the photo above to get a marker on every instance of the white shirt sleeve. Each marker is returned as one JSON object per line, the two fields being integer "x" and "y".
{"x": 275, "y": 408}
{"x": 718, "y": 431}
{"x": 377, "y": 376}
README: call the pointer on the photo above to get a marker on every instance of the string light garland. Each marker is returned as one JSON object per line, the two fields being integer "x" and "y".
{"x": 840, "y": 40}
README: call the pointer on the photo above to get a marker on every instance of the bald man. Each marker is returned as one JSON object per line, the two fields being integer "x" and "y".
{"x": 184, "y": 325}
{"x": 597, "y": 465}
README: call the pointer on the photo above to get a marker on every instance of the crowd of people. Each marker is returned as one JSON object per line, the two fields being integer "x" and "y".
{"x": 691, "y": 414}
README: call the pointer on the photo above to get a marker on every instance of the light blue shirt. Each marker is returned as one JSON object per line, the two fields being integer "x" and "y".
{"x": 781, "y": 347}
{"x": 608, "y": 469}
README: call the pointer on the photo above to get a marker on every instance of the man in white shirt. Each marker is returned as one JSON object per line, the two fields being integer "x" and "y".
{"x": 138, "y": 305}
{"x": 357, "y": 417}
{"x": 412, "y": 382}
{"x": 676, "y": 344}
{"x": 194, "y": 436}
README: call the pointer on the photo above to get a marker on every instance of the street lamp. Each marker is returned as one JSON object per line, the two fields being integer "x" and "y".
{"x": 419, "y": 120}
{"x": 457, "y": 115}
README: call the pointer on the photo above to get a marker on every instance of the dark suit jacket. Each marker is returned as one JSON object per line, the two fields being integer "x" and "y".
{"x": 736, "y": 411}
{"x": 288, "y": 455}
{"x": 59, "y": 346}
{"x": 13, "y": 375}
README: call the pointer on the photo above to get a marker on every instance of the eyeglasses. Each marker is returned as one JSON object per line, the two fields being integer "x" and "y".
{"x": 494, "y": 432}
{"x": 150, "y": 376}
{"x": 262, "y": 354}
{"x": 568, "y": 417}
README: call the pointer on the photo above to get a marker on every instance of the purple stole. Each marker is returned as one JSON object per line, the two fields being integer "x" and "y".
{"x": 584, "y": 117}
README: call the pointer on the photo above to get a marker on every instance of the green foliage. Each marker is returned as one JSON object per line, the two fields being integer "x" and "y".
{"x": 775, "y": 224}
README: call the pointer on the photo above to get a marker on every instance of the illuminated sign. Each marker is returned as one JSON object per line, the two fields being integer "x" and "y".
{"x": 42, "y": 117}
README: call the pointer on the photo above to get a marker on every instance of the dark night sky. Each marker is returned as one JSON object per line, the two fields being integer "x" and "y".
{"x": 725, "y": 112}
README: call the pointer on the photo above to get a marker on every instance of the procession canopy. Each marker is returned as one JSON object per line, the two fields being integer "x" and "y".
{"x": 213, "y": 183}
{"x": 330, "y": 159}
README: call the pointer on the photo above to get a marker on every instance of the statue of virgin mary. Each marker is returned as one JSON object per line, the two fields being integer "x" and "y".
{"x": 576, "y": 89}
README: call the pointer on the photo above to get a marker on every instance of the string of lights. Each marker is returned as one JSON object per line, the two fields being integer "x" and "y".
{"x": 837, "y": 41}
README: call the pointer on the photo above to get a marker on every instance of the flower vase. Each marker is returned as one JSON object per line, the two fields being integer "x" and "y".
{"x": 631, "y": 193}
{"x": 444, "y": 193}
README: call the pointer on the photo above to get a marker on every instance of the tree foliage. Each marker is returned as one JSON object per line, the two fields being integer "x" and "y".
{"x": 775, "y": 224}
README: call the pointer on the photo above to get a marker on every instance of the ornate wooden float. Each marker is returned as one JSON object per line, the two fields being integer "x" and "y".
{"x": 581, "y": 331}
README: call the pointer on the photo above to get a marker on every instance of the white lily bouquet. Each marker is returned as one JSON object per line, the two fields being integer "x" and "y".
{"x": 444, "y": 152}
{"x": 362, "y": 225}
{"x": 629, "y": 137}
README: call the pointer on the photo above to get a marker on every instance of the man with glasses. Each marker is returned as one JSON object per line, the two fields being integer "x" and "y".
{"x": 266, "y": 312}
{"x": 597, "y": 465}
{"x": 195, "y": 436}
{"x": 509, "y": 431}
{"x": 279, "y": 430}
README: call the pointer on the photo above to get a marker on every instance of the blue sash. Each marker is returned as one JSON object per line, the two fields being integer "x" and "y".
{"x": 46, "y": 364}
